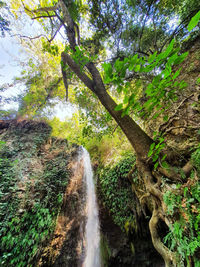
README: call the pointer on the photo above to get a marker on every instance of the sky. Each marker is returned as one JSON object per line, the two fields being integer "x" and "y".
{"x": 9, "y": 67}
{"x": 10, "y": 53}
{"x": 12, "y": 57}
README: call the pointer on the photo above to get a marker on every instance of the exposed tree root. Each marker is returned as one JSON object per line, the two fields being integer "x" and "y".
{"x": 152, "y": 197}
{"x": 168, "y": 256}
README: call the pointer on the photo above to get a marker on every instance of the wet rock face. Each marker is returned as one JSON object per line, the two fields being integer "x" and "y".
{"x": 44, "y": 191}
{"x": 43, "y": 197}
{"x": 126, "y": 250}
{"x": 66, "y": 247}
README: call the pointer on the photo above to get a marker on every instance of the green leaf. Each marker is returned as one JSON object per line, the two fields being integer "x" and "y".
{"x": 137, "y": 68}
{"x": 119, "y": 88}
{"x": 126, "y": 98}
{"x": 155, "y": 158}
{"x": 166, "y": 53}
{"x": 151, "y": 149}
{"x": 194, "y": 21}
{"x": 165, "y": 118}
{"x": 152, "y": 57}
{"x": 156, "y": 116}
{"x": 165, "y": 165}
{"x": 131, "y": 99}
{"x": 172, "y": 58}
{"x": 133, "y": 61}
{"x": 107, "y": 68}
{"x": 176, "y": 74}
{"x": 156, "y": 165}
{"x": 119, "y": 107}
{"x": 181, "y": 58}
{"x": 169, "y": 48}
{"x": 125, "y": 111}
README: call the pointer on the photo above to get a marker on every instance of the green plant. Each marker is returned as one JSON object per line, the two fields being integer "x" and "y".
{"x": 196, "y": 159}
{"x": 24, "y": 235}
{"x": 116, "y": 191}
{"x": 155, "y": 150}
{"x": 184, "y": 233}
{"x": 161, "y": 89}
{"x": 28, "y": 215}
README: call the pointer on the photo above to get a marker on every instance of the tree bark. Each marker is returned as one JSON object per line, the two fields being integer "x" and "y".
{"x": 138, "y": 138}
{"x": 140, "y": 141}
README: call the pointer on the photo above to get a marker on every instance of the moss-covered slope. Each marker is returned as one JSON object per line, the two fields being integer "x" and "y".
{"x": 34, "y": 170}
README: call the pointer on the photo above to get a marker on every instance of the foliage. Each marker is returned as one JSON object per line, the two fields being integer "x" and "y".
{"x": 42, "y": 78}
{"x": 162, "y": 88}
{"x": 4, "y": 23}
{"x": 116, "y": 192}
{"x": 155, "y": 150}
{"x": 107, "y": 150}
{"x": 69, "y": 129}
{"x": 194, "y": 21}
{"x": 184, "y": 202}
{"x": 142, "y": 26}
{"x": 196, "y": 159}
{"x": 23, "y": 235}
{"x": 31, "y": 189}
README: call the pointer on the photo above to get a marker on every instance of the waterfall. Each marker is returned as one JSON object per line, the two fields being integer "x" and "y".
{"x": 92, "y": 233}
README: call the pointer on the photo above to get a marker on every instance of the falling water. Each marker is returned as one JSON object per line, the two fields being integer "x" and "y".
{"x": 92, "y": 257}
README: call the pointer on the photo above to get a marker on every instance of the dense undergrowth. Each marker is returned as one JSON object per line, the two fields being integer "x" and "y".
{"x": 183, "y": 203}
{"x": 115, "y": 190}
{"x": 182, "y": 206}
{"x": 34, "y": 176}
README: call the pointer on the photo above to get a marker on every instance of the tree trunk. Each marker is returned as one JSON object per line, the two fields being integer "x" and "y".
{"x": 138, "y": 138}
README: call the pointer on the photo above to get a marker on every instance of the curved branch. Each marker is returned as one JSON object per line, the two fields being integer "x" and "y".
{"x": 167, "y": 255}
{"x": 76, "y": 69}
{"x": 59, "y": 27}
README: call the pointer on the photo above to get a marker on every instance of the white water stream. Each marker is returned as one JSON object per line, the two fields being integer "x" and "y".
{"x": 92, "y": 255}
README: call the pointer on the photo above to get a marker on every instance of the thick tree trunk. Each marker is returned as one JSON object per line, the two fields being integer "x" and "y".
{"x": 137, "y": 137}
{"x": 139, "y": 140}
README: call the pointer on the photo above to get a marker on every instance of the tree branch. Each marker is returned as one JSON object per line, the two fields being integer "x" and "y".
{"x": 177, "y": 30}
{"x": 45, "y": 9}
{"x": 70, "y": 25}
{"x": 76, "y": 69}
{"x": 30, "y": 38}
{"x": 40, "y": 17}
{"x": 167, "y": 255}
{"x": 49, "y": 93}
{"x": 58, "y": 29}
{"x": 144, "y": 21}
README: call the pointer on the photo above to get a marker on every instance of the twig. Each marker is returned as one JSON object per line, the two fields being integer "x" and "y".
{"x": 166, "y": 124}
{"x": 146, "y": 16}
{"x": 58, "y": 29}
{"x": 39, "y": 17}
{"x": 30, "y": 38}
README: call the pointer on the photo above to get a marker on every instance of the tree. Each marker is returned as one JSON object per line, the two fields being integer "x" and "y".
{"x": 107, "y": 21}
{"x": 4, "y": 23}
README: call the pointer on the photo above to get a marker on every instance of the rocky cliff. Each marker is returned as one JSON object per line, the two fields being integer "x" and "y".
{"x": 42, "y": 207}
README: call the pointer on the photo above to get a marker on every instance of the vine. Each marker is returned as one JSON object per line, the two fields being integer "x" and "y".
{"x": 116, "y": 192}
